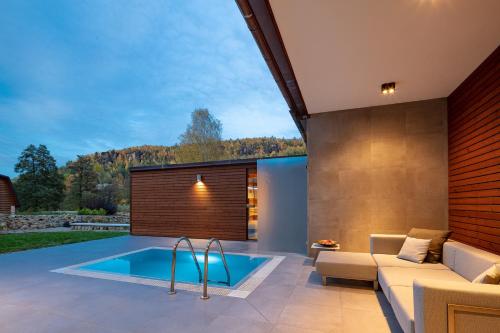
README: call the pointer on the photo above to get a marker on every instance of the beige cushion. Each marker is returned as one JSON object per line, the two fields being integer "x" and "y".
{"x": 489, "y": 276}
{"x": 414, "y": 249}
{"x": 437, "y": 237}
{"x": 386, "y": 243}
{"x": 347, "y": 265}
{"x": 468, "y": 261}
{"x": 402, "y": 304}
{"x": 396, "y": 276}
{"x": 390, "y": 260}
{"x": 449, "y": 254}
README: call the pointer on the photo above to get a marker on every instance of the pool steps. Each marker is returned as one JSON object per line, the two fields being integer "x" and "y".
{"x": 205, "y": 270}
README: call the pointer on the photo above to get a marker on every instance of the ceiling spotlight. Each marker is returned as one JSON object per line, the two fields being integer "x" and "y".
{"x": 388, "y": 88}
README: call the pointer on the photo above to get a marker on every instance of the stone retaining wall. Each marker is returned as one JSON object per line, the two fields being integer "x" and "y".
{"x": 100, "y": 227}
{"x": 3, "y": 222}
{"x": 26, "y": 222}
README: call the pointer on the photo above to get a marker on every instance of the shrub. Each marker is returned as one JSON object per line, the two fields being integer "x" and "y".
{"x": 88, "y": 211}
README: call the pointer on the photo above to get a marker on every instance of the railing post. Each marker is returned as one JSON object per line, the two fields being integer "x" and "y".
{"x": 174, "y": 260}
{"x": 205, "y": 275}
{"x": 172, "y": 275}
{"x": 205, "y": 268}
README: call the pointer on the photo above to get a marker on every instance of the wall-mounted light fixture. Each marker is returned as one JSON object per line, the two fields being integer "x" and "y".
{"x": 388, "y": 88}
{"x": 199, "y": 178}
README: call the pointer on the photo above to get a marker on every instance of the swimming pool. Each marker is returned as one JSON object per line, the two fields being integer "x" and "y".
{"x": 152, "y": 266}
{"x": 156, "y": 263}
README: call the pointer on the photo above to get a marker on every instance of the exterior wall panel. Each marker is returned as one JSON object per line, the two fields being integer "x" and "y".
{"x": 474, "y": 157}
{"x": 282, "y": 204}
{"x": 382, "y": 169}
{"x": 169, "y": 202}
{"x": 7, "y": 195}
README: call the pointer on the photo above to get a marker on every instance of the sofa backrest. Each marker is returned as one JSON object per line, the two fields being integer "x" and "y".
{"x": 466, "y": 260}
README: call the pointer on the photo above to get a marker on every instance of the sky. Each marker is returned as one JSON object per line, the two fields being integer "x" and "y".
{"x": 87, "y": 76}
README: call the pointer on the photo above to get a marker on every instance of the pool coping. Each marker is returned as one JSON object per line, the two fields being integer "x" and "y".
{"x": 241, "y": 290}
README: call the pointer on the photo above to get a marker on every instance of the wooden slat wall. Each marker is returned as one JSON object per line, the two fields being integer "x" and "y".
{"x": 170, "y": 203}
{"x": 7, "y": 196}
{"x": 474, "y": 157}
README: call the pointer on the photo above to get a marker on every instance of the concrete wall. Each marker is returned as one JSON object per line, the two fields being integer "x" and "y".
{"x": 282, "y": 204}
{"x": 377, "y": 170}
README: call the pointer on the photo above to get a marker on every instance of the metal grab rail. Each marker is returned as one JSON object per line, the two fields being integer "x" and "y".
{"x": 205, "y": 270}
{"x": 174, "y": 260}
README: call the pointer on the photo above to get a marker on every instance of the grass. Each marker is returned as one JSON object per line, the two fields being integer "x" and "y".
{"x": 34, "y": 240}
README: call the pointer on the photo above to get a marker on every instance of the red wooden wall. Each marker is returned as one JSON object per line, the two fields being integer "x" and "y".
{"x": 7, "y": 195}
{"x": 474, "y": 157}
{"x": 169, "y": 202}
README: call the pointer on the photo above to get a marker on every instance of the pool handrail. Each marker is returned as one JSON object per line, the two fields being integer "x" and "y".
{"x": 205, "y": 268}
{"x": 174, "y": 261}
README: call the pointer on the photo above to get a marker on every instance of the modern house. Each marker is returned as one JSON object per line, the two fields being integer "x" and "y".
{"x": 8, "y": 198}
{"x": 398, "y": 102}
{"x": 399, "y": 110}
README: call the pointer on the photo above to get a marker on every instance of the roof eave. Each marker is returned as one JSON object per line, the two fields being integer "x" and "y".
{"x": 262, "y": 24}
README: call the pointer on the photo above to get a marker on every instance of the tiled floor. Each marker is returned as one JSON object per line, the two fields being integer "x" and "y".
{"x": 290, "y": 300}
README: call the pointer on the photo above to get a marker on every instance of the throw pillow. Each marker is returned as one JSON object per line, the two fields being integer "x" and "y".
{"x": 414, "y": 249}
{"x": 437, "y": 237}
{"x": 489, "y": 276}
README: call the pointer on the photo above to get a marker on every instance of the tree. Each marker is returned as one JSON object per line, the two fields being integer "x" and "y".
{"x": 83, "y": 179}
{"x": 39, "y": 186}
{"x": 202, "y": 139}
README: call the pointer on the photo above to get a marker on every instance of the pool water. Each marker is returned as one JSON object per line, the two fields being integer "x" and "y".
{"x": 156, "y": 263}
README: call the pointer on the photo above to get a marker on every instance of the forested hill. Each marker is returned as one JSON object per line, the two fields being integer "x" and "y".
{"x": 232, "y": 149}
{"x": 111, "y": 167}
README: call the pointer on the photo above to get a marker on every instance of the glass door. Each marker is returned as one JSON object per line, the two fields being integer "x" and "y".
{"x": 252, "y": 204}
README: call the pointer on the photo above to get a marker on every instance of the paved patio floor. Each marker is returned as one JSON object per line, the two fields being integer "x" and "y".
{"x": 291, "y": 299}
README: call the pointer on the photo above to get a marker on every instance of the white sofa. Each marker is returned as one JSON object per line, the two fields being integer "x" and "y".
{"x": 438, "y": 297}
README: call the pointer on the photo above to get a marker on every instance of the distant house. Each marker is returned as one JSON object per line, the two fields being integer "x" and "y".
{"x": 7, "y": 195}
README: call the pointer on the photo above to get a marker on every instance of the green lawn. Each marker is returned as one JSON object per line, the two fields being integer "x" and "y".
{"x": 33, "y": 240}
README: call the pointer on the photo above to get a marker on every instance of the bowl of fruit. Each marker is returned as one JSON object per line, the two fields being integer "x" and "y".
{"x": 327, "y": 242}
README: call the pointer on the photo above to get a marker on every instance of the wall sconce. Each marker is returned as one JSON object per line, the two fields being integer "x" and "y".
{"x": 388, "y": 88}
{"x": 199, "y": 178}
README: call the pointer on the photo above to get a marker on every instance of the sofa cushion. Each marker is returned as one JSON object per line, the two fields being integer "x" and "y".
{"x": 397, "y": 276}
{"x": 390, "y": 260}
{"x": 468, "y": 261}
{"x": 402, "y": 304}
{"x": 489, "y": 276}
{"x": 386, "y": 243}
{"x": 347, "y": 265}
{"x": 449, "y": 254}
{"x": 437, "y": 237}
{"x": 414, "y": 249}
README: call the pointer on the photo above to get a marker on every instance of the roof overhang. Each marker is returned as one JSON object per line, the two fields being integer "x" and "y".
{"x": 243, "y": 161}
{"x": 261, "y": 22}
{"x": 330, "y": 55}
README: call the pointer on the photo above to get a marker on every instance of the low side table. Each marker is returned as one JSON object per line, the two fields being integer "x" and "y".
{"x": 320, "y": 248}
